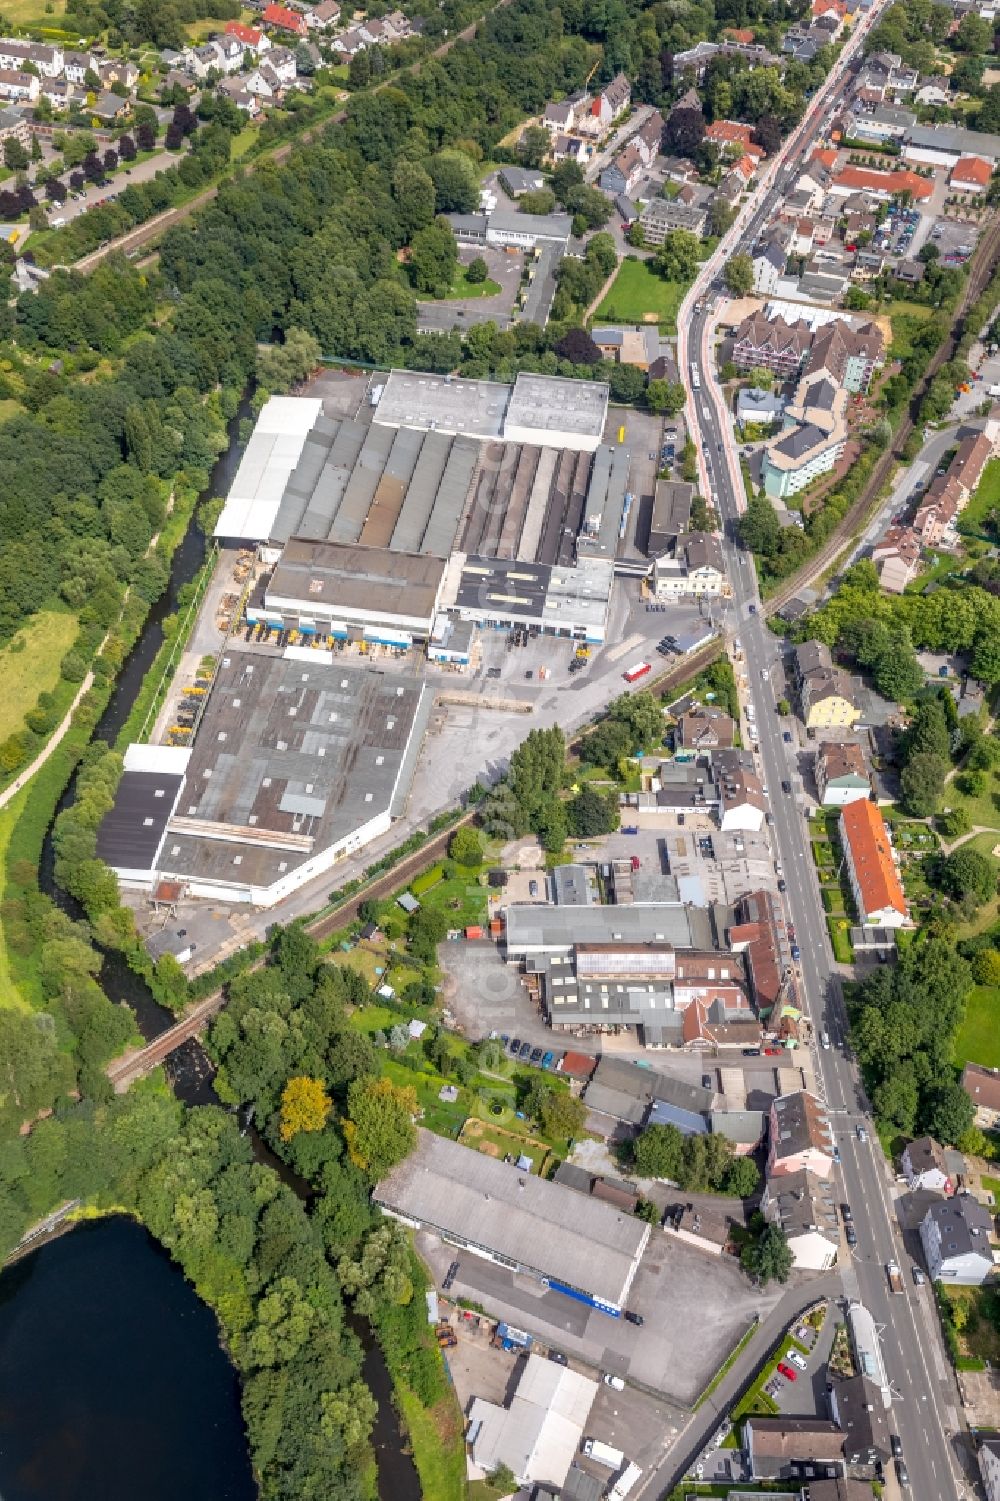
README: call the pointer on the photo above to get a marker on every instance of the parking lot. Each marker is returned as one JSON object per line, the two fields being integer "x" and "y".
{"x": 465, "y": 312}
{"x": 677, "y": 1288}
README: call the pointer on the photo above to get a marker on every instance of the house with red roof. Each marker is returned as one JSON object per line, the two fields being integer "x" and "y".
{"x": 282, "y": 19}
{"x": 881, "y": 184}
{"x": 871, "y": 866}
{"x": 970, "y": 174}
{"x": 252, "y": 37}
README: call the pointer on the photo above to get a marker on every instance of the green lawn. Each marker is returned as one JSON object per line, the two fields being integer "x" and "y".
{"x": 982, "y": 809}
{"x": 986, "y": 915}
{"x": 243, "y": 140}
{"x": 9, "y": 408}
{"x": 462, "y": 287}
{"x": 29, "y": 665}
{"x": 935, "y": 572}
{"x": 986, "y": 497}
{"x": 639, "y": 295}
{"x": 978, "y": 1039}
{"x": 438, "y": 1450}
{"x": 10, "y": 996}
{"x": 32, "y": 13}
{"x": 905, "y": 318}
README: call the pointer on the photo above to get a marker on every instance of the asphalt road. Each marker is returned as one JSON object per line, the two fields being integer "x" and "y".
{"x": 923, "y": 1412}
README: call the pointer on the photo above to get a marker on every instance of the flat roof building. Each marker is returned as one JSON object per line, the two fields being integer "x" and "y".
{"x": 269, "y": 459}
{"x": 333, "y": 588}
{"x": 523, "y": 1222}
{"x": 539, "y": 1434}
{"x": 297, "y": 763}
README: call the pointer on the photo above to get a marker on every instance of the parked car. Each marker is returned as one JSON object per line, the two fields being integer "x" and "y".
{"x": 796, "y": 952}
{"x": 782, "y": 884}
{"x": 525, "y": 1050}
{"x": 614, "y": 1381}
{"x": 492, "y": 672}
{"x": 515, "y": 1046}
{"x": 902, "y": 1473}
{"x": 851, "y": 1236}
{"x": 787, "y": 1371}
{"x": 536, "y": 1055}
{"x": 633, "y": 1318}
{"x": 532, "y": 888}
{"x": 847, "y": 1213}
{"x": 897, "y": 1446}
{"x": 558, "y": 1357}
{"x": 751, "y": 1052}
{"x": 797, "y": 1359}
{"x": 706, "y": 1081}
{"x": 918, "y": 1276}
{"x": 786, "y": 737}
{"x": 547, "y": 1059}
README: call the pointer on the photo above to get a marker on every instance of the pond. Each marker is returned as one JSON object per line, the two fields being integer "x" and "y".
{"x": 113, "y": 1384}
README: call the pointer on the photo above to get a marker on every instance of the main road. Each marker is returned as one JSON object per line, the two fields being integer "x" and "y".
{"x": 923, "y": 1394}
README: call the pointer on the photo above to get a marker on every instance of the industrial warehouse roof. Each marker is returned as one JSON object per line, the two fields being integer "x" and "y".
{"x": 130, "y": 834}
{"x": 543, "y": 927}
{"x": 292, "y": 756}
{"x": 271, "y": 455}
{"x": 337, "y": 580}
{"x": 536, "y": 409}
{"x": 551, "y": 1230}
{"x": 540, "y": 1432}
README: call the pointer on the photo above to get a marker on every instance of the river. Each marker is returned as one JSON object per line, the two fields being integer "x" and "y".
{"x": 190, "y": 1074}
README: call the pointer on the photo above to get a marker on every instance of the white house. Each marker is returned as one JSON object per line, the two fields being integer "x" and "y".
{"x": 802, "y": 1205}
{"x": 955, "y": 1234}
{"x": 925, "y": 1166}
{"x": 14, "y": 54}
{"x": 841, "y": 773}
{"x": 18, "y": 86}
{"x": 989, "y": 1467}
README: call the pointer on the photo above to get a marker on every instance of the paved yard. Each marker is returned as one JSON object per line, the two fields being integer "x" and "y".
{"x": 696, "y": 1307}
{"x": 465, "y": 312}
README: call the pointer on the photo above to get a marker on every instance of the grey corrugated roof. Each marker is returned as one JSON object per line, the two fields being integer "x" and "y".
{"x": 551, "y": 1230}
{"x": 561, "y": 927}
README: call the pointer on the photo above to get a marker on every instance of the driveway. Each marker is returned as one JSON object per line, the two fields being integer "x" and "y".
{"x": 93, "y": 195}
{"x": 466, "y": 312}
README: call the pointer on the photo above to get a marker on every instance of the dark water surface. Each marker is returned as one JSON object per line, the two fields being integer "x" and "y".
{"x": 113, "y": 1385}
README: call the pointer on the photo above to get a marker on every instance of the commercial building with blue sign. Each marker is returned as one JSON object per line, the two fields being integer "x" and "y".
{"x": 586, "y": 1249}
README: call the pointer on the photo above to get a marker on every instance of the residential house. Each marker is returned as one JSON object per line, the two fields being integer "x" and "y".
{"x": 624, "y": 172}
{"x": 950, "y": 493}
{"x": 858, "y": 1410}
{"x": 517, "y": 181}
{"x": 322, "y": 16}
{"x": 567, "y": 148}
{"x": 649, "y": 138}
{"x": 606, "y": 106}
{"x": 109, "y": 109}
{"x": 112, "y": 70}
{"x": 638, "y": 345}
{"x": 897, "y": 558}
{"x": 840, "y": 1487}
{"x": 76, "y": 66}
{"x": 812, "y": 439}
{"x": 801, "y": 1137}
{"x": 763, "y": 407}
{"x": 933, "y": 91}
{"x": 732, "y": 136}
{"x": 885, "y": 122}
{"x": 14, "y": 127}
{"x": 236, "y": 90}
{"x": 560, "y": 117}
{"x": 982, "y": 1085}
{"x": 769, "y": 257}
{"x": 871, "y": 866}
{"x": 695, "y": 60}
{"x": 971, "y": 174}
{"x": 925, "y": 1166}
{"x": 696, "y": 568}
{"x": 841, "y": 773}
{"x": 802, "y": 1205}
{"x": 851, "y": 356}
{"x": 742, "y": 801}
{"x": 280, "y": 18}
{"x": 760, "y": 934}
{"x": 662, "y": 215}
{"x": 253, "y": 38}
{"x": 787, "y": 1448}
{"x": 18, "y": 86}
{"x": 989, "y": 1467}
{"x": 704, "y": 728}
{"x": 282, "y": 64}
{"x": 772, "y": 344}
{"x": 955, "y": 1235}
{"x": 14, "y": 54}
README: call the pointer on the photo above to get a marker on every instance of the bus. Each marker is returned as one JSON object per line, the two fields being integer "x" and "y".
{"x": 695, "y": 378}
